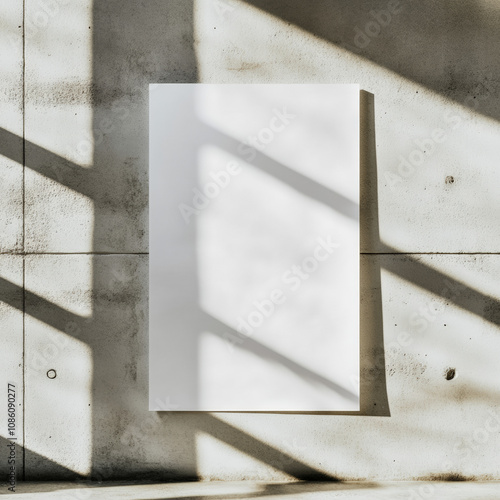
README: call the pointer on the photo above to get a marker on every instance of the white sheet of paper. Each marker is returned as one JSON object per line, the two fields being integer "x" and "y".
{"x": 254, "y": 247}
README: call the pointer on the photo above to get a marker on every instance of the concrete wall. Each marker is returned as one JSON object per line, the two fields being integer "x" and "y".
{"x": 74, "y": 234}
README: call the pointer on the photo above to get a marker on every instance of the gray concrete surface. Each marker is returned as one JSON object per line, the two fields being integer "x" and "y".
{"x": 251, "y": 489}
{"x": 74, "y": 269}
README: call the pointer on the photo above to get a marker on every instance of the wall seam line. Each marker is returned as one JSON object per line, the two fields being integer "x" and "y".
{"x": 24, "y": 235}
{"x": 429, "y": 253}
{"x": 25, "y": 254}
{"x": 148, "y": 253}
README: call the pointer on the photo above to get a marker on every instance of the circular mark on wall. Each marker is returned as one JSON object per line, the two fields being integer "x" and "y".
{"x": 51, "y": 373}
{"x": 449, "y": 179}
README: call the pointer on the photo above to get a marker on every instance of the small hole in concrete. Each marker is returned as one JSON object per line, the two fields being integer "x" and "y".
{"x": 450, "y": 373}
{"x": 449, "y": 179}
{"x": 51, "y": 374}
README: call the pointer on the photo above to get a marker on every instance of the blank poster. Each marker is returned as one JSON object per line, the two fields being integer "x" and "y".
{"x": 254, "y": 247}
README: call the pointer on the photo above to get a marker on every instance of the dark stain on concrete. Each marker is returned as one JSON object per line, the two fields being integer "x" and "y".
{"x": 448, "y": 476}
{"x": 78, "y": 93}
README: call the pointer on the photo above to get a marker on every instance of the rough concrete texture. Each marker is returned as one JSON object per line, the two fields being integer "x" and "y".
{"x": 250, "y": 489}
{"x": 11, "y": 127}
{"x": 11, "y": 356}
{"x": 432, "y": 69}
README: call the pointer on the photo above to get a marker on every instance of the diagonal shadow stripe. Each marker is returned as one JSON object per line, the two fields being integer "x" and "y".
{"x": 49, "y": 164}
{"x": 37, "y": 307}
{"x": 54, "y": 166}
{"x": 414, "y": 271}
{"x": 407, "y": 38}
{"x": 471, "y": 300}
{"x": 256, "y": 448}
{"x": 297, "y": 489}
{"x": 221, "y": 329}
{"x": 292, "y": 178}
{"x": 11, "y": 146}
